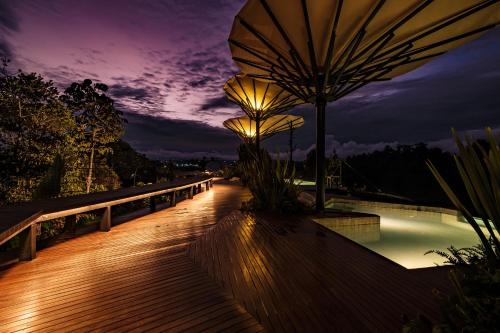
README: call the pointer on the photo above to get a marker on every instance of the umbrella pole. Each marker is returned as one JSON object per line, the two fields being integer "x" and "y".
{"x": 320, "y": 153}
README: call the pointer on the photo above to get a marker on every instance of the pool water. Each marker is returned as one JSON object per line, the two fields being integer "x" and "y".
{"x": 405, "y": 235}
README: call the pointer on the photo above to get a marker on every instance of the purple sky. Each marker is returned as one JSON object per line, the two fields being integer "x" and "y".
{"x": 166, "y": 62}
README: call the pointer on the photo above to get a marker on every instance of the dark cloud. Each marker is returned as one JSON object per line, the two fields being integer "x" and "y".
{"x": 216, "y": 103}
{"x": 119, "y": 91}
{"x": 5, "y": 50}
{"x": 9, "y": 22}
{"x": 8, "y": 17}
{"x": 167, "y": 138}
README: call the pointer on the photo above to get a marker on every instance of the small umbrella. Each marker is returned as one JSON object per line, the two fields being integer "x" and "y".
{"x": 258, "y": 99}
{"x": 246, "y": 127}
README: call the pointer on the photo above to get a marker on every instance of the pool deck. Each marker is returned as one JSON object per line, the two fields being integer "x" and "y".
{"x": 204, "y": 266}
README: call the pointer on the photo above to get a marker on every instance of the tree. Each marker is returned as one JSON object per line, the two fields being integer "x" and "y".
{"x": 34, "y": 128}
{"x": 99, "y": 123}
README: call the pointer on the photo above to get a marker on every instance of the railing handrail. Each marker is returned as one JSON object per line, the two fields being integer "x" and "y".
{"x": 83, "y": 203}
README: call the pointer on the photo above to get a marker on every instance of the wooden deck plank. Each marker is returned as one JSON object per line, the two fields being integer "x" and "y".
{"x": 311, "y": 279}
{"x": 202, "y": 266}
{"x": 138, "y": 276}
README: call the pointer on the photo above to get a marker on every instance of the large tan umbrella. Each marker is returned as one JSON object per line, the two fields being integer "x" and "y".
{"x": 322, "y": 50}
{"x": 246, "y": 128}
{"x": 259, "y": 100}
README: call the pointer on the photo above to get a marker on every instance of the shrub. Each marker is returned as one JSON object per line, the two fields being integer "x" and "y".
{"x": 271, "y": 184}
{"x": 474, "y": 305}
{"x": 479, "y": 169}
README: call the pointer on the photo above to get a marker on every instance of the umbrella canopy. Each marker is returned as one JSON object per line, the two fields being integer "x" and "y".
{"x": 322, "y": 50}
{"x": 259, "y": 99}
{"x": 333, "y": 47}
{"x": 246, "y": 128}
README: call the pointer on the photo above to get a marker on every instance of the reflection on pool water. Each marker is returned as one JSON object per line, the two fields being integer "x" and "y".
{"x": 405, "y": 235}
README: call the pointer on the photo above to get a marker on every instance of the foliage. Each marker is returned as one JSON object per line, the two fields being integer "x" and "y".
{"x": 53, "y": 145}
{"x": 34, "y": 128}
{"x": 98, "y": 122}
{"x": 474, "y": 305}
{"x": 271, "y": 184}
{"x": 402, "y": 171}
{"x": 479, "y": 169}
{"x": 50, "y": 185}
{"x": 133, "y": 167}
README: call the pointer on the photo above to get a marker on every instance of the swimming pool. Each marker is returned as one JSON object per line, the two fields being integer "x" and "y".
{"x": 404, "y": 235}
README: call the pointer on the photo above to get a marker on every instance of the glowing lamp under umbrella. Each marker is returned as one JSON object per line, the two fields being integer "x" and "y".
{"x": 259, "y": 100}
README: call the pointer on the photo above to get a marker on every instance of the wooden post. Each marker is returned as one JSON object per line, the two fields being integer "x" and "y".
{"x": 152, "y": 204}
{"x": 320, "y": 153}
{"x": 199, "y": 188}
{"x": 190, "y": 194}
{"x": 27, "y": 250}
{"x": 70, "y": 223}
{"x": 210, "y": 182}
{"x": 172, "y": 199}
{"x": 207, "y": 186}
{"x": 106, "y": 219}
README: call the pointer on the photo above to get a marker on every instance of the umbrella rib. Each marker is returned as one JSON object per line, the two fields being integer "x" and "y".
{"x": 301, "y": 73}
{"x": 362, "y": 30}
{"x": 405, "y": 19}
{"x": 254, "y": 53}
{"x": 310, "y": 45}
{"x": 285, "y": 84}
{"x": 257, "y": 34}
{"x": 264, "y": 107}
{"x": 386, "y": 61}
{"x": 331, "y": 43}
{"x": 449, "y": 40}
{"x": 244, "y": 92}
{"x": 291, "y": 77}
{"x": 240, "y": 99}
{"x": 359, "y": 85}
{"x": 340, "y": 73}
{"x": 254, "y": 96}
{"x": 358, "y": 68}
{"x": 283, "y": 34}
{"x": 271, "y": 103}
{"x": 457, "y": 17}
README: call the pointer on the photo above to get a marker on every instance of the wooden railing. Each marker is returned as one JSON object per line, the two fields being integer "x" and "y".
{"x": 22, "y": 219}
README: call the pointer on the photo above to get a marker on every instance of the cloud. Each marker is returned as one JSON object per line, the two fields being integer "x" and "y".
{"x": 8, "y": 18}
{"x": 119, "y": 91}
{"x": 167, "y": 138}
{"x": 351, "y": 148}
{"x": 166, "y": 63}
{"x": 216, "y": 103}
{"x": 9, "y": 23}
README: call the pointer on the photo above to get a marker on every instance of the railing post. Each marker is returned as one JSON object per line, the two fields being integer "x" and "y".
{"x": 207, "y": 186}
{"x": 28, "y": 243}
{"x": 152, "y": 204}
{"x": 211, "y": 183}
{"x": 70, "y": 223}
{"x": 172, "y": 199}
{"x": 106, "y": 220}
{"x": 199, "y": 188}
{"x": 190, "y": 194}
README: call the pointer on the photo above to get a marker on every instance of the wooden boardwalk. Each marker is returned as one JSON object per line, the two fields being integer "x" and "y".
{"x": 295, "y": 275}
{"x": 202, "y": 266}
{"x": 137, "y": 277}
